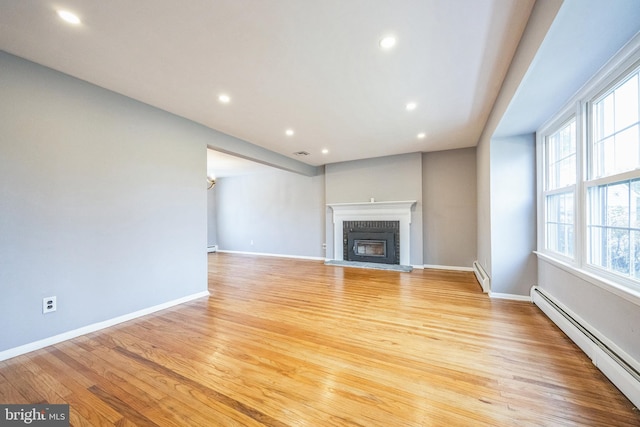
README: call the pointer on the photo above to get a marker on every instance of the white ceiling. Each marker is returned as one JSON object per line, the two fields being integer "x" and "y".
{"x": 313, "y": 66}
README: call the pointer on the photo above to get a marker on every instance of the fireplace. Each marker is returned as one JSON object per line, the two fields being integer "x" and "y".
{"x": 345, "y": 215}
{"x": 371, "y": 241}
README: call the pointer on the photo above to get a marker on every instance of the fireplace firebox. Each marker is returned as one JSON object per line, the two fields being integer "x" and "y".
{"x": 370, "y": 247}
{"x": 372, "y": 241}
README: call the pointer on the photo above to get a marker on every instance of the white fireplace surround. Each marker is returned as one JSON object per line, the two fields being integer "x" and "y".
{"x": 373, "y": 211}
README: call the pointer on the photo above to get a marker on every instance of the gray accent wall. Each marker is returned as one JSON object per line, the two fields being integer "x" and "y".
{"x": 449, "y": 197}
{"x": 102, "y": 204}
{"x": 391, "y": 178}
{"x": 275, "y": 212}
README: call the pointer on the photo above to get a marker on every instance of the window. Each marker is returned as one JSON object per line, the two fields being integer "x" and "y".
{"x": 590, "y": 181}
{"x": 613, "y": 192}
{"x": 614, "y": 227}
{"x": 559, "y": 194}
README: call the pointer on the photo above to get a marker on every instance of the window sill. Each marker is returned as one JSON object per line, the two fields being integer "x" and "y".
{"x": 629, "y": 294}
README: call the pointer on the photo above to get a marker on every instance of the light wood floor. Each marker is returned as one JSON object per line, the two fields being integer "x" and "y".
{"x": 285, "y": 342}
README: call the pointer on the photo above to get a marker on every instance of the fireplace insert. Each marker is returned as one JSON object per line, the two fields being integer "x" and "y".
{"x": 372, "y": 241}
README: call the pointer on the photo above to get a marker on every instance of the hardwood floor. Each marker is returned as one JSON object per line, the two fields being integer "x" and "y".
{"x": 283, "y": 342}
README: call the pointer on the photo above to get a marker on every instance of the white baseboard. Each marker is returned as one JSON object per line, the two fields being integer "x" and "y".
{"x": 313, "y": 258}
{"x": 512, "y": 297}
{"x": 593, "y": 344}
{"x": 448, "y": 267}
{"x": 213, "y": 248}
{"x": 37, "y": 345}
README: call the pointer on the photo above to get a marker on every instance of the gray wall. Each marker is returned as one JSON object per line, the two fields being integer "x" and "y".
{"x": 391, "y": 178}
{"x": 483, "y": 170}
{"x": 212, "y": 226}
{"x": 513, "y": 214}
{"x": 102, "y": 204}
{"x": 450, "y": 218}
{"x": 506, "y": 172}
{"x": 541, "y": 18}
{"x": 281, "y": 212}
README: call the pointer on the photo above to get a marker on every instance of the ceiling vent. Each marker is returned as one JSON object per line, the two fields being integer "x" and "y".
{"x": 300, "y": 153}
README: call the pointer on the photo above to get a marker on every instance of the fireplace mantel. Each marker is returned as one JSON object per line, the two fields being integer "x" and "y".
{"x": 373, "y": 211}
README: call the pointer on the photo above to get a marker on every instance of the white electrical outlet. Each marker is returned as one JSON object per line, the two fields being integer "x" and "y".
{"x": 49, "y": 304}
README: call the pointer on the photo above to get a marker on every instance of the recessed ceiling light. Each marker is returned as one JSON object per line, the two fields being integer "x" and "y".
{"x": 289, "y": 132}
{"x": 411, "y": 106}
{"x": 224, "y": 98}
{"x": 325, "y": 151}
{"x": 422, "y": 135}
{"x": 69, "y": 17}
{"x": 387, "y": 42}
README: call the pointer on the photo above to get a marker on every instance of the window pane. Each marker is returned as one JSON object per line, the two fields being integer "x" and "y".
{"x": 626, "y": 149}
{"x": 634, "y": 200}
{"x": 559, "y": 223}
{"x": 597, "y": 247}
{"x": 561, "y": 155}
{"x": 635, "y": 242}
{"x": 618, "y": 246}
{"x": 616, "y": 130}
{"x": 612, "y": 226}
{"x": 604, "y": 117}
{"x": 566, "y": 239}
{"x": 618, "y": 205}
{"x": 626, "y": 104}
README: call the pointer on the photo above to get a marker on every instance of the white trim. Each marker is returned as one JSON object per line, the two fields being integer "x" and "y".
{"x": 36, "y": 345}
{"x": 213, "y": 248}
{"x": 373, "y": 211}
{"x": 447, "y": 267}
{"x": 610, "y": 179}
{"x": 313, "y": 258}
{"x": 510, "y": 297}
{"x": 392, "y": 205}
{"x": 618, "y": 375}
{"x": 622, "y": 291}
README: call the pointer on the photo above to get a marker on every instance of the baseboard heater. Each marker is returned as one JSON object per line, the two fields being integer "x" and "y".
{"x": 614, "y": 365}
{"x": 482, "y": 276}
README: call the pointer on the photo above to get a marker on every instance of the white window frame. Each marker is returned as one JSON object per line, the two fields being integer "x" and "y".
{"x": 612, "y": 74}
{"x": 543, "y": 180}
